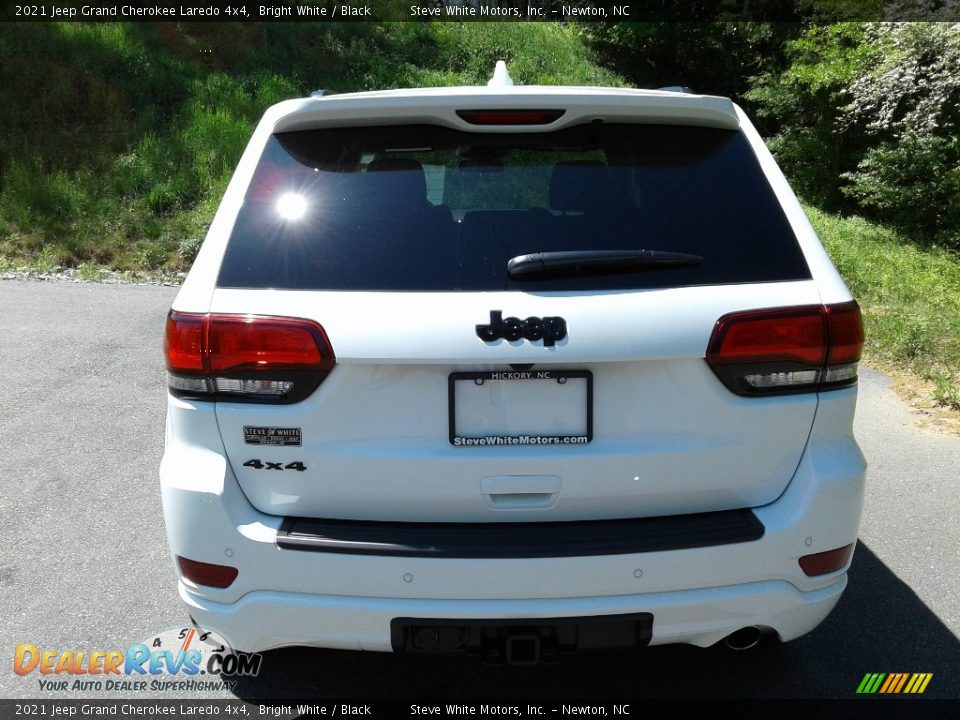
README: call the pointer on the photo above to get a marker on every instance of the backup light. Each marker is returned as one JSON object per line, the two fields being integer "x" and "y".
{"x": 781, "y": 379}
{"x": 187, "y": 385}
{"x": 258, "y": 387}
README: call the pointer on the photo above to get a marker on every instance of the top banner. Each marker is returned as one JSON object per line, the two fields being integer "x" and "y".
{"x": 483, "y": 11}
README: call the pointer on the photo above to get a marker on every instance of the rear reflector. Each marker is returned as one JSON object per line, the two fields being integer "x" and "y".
{"x": 786, "y": 350}
{"x": 510, "y": 117}
{"x": 245, "y": 358}
{"x": 826, "y": 562}
{"x": 201, "y": 573}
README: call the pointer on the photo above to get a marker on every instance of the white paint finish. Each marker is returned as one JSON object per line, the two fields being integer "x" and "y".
{"x": 267, "y": 620}
{"x": 376, "y": 447}
{"x": 668, "y": 437}
{"x": 823, "y": 501}
{"x": 438, "y": 106}
{"x": 520, "y": 492}
{"x": 379, "y": 327}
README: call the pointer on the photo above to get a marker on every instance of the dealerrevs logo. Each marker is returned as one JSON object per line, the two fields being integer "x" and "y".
{"x": 183, "y": 653}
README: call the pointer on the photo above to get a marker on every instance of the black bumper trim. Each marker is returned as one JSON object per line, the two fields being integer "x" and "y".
{"x": 522, "y": 539}
{"x": 490, "y": 638}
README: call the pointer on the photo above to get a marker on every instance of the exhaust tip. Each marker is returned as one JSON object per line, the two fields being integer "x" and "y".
{"x": 744, "y": 638}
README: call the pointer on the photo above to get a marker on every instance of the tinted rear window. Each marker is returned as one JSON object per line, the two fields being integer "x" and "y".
{"x": 425, "y": 208}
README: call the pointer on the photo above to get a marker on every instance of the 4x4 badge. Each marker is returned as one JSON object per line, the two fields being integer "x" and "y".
{"x": 548, "y": 329}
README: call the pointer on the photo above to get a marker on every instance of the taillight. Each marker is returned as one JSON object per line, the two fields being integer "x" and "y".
{"x": 510, "y": 117}
{"x": 245, "y": 358}
{"x": 786, "y": 350}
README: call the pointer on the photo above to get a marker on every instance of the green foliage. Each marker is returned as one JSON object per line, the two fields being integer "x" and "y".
{"x": 914, "y": 185}
{"x": 912, "y": 86}
{"x": 119, "y": 137}
{"x": 188, "y": 249}
{"x": 714, "y": 58}
{"x": 946, "y": 390}
{"x": 803, "y": 103}
{"x": 909, "y": 101}
{"x": 88, "y": 272}
{"x": 47, "y": 260}
{"x": 868, "y": 120}
{"x": 910, "y": 298}
{"x": 537, "y": 53}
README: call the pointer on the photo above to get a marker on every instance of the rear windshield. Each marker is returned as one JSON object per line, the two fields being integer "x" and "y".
{"x": 425, "y": 208}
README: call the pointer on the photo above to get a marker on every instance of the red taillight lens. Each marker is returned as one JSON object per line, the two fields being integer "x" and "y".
{"x": 247, "y": 342}
{"x": 201, "y": 573}
{"x": 784, "y": 350}
{"x": 510, "y": 117}
{"x": 827, "y": 562}
{"x": 795, "y": 334}
{"x": 846, "y": 333}
{"x": 183, "y": 342}
{"x": 245, "y": 357}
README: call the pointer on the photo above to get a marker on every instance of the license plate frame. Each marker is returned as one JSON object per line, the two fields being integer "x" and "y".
{"x": 516, "y": 376}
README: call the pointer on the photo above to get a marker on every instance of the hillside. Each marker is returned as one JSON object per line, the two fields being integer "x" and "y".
{"x": 120, "y": 138}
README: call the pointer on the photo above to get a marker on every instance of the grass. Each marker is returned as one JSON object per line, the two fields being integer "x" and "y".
{"x": 120, "y": 138}
{"x": 910, "y": 297}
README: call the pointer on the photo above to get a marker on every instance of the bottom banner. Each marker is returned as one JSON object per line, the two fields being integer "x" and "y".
{"x": 646, "y": 708}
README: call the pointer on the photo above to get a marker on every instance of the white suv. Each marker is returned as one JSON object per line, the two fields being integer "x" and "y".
{"x": 510, "y": 371}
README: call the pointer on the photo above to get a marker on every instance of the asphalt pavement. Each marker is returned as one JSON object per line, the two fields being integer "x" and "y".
{"x": 84, "y": 563}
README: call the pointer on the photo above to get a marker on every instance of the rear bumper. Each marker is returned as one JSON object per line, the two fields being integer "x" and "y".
{"x": 518, "y": 540}
{"x": 263, "y": 620}
{"x": 697, "y": 595}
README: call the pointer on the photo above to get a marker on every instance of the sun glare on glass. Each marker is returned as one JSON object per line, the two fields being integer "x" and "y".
{"x": 291, "y": 206}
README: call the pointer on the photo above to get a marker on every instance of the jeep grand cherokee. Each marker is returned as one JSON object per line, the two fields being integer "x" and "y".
{"x": 510, "y": 371}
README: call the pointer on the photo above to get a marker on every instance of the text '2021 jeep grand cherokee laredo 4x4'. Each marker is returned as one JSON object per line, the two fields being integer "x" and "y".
{"x": 512, "y": 371}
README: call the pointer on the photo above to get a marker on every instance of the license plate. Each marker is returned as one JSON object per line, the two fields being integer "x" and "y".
{"x": 513, "y": 407}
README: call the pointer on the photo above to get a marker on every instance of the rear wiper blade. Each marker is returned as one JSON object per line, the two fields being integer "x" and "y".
{"x": 597, "y": 261}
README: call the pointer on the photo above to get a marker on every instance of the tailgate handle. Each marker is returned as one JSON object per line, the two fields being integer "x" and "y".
{"x": 520, "y": 492}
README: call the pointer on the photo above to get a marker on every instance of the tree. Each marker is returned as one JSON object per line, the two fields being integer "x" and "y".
{"x": 908, "y": 101}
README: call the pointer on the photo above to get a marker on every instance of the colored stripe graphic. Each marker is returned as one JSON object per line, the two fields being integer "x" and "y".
{"x": 891, "y": 680}
{"x": 871, "y": 683}
{"x": 894, "y": 683}
{"x": 900, "y": 682}
{"x": 922, "y": 683}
